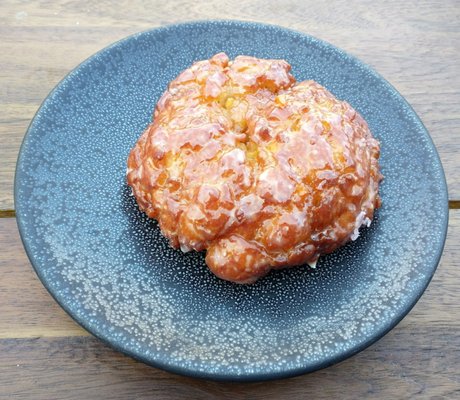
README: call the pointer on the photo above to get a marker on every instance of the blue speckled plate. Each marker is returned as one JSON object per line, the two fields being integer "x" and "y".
{"x": 109, "y": 267}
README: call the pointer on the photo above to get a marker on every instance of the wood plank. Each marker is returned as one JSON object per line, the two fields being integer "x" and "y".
{"x": 38, "y": 315}
{"x": 416, "y": 46}
{"x": 82, "y": 368}
{"x": 26, "y": 308}
{"x": 418, "y": 358}
{"x": 404, "y": 364}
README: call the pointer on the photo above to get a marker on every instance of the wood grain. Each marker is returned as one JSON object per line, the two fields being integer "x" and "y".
{"x": 81, "y": 368}
{"x": 419, "y": 357}
{"x": 26, "y": 308}
{"x": 413, "y": 44}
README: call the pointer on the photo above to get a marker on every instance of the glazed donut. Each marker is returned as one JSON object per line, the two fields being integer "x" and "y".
{"x": 260, "y": 171}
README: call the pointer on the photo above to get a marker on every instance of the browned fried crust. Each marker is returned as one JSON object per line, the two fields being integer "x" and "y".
{"x": 261, "y": 171}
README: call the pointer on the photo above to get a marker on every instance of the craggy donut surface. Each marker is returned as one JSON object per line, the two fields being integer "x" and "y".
{"x": 261, "y": 171}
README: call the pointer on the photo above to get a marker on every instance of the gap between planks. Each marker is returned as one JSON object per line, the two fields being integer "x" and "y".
{"x": 453, "y": 205}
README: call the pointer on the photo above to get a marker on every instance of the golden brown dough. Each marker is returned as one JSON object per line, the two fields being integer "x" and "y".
{"x": 261, "y": 171}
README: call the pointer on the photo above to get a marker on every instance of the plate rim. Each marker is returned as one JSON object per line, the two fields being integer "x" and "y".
{"x": 258, "y": 376}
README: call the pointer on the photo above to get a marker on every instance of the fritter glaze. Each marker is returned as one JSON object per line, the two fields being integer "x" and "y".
{"x": 261, "y": 171}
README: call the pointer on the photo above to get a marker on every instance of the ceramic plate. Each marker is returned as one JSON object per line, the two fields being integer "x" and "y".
{"x": 109, "y": 267}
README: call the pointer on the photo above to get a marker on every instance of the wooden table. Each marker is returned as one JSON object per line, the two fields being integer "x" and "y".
{"x": 45, "y": 355}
